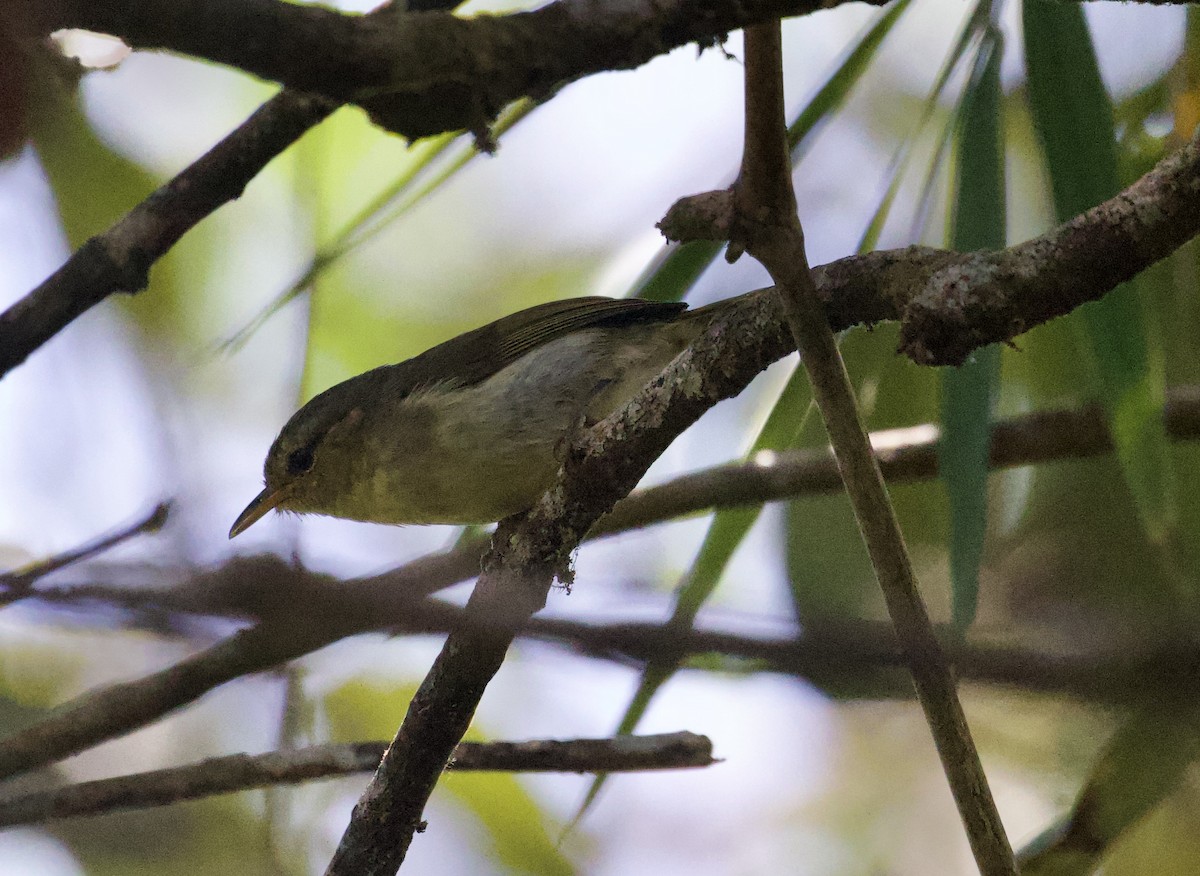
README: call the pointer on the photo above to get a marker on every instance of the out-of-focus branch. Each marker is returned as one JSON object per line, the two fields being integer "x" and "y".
{"x": 905, "y": 455}
{"x": 119, "y": 259}
{"x": 18, "y": 584}
{"x": 242, "y": 772}
{"x": 863, "y": 660}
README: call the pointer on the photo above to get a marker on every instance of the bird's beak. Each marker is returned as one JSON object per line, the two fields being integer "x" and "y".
{"x": 261, "y": 504}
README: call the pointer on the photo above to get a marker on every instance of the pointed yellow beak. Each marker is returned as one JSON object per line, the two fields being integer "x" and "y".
{"x": 258, "y": 507}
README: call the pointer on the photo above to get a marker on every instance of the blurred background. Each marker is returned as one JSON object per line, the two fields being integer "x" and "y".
{"x": 356, "y": 249}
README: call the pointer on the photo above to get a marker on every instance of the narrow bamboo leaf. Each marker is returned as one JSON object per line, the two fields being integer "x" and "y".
{"x": 971, "y": 31}
{"x": 390, "y": 204}
{"x": 725, "y": 534}
{"x": 346, "y": 238}
{"x": 1073, "y": 115}
{"x": 1141, "y": 766}
{"x": 830, "y": 96}
{"x": 968, "y": 392}
{"x": 675, "y": 269}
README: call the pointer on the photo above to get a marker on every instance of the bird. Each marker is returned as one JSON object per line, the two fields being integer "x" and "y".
{"x": 471, "y": 430}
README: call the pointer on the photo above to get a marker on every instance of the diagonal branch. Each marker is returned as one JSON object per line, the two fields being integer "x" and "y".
{"x": 119, "y": 260}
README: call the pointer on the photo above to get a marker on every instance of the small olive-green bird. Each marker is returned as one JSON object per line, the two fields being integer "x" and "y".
{"x": 471, "y": 430}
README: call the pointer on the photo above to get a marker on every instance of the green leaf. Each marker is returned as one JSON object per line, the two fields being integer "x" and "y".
{"x": 387, "y": 206}
{"x": 1073, "y": 116}
{"x": 1139, "y": 768}
{"x": 968, "y": 392}
{"x": 515, "y": 823}
{"x": 830, "y": 96}
{"x": 725, "y": 534}
{"x": 975, "y": 25}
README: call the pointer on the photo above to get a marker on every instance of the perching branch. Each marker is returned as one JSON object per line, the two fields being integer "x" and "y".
{"x": 242, "y": 772}
{"x": 762, "y": 220}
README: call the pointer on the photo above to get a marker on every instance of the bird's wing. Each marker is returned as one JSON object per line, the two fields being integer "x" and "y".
{"x": 475, "y": 356}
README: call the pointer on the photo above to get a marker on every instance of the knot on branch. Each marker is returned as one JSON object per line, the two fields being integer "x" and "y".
{"x": 706, "y": 216}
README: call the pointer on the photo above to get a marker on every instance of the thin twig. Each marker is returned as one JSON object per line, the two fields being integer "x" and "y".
{"x": 766, "y": 224}
{"x": 18, "y": 584}
{"x": 241, "y": 772}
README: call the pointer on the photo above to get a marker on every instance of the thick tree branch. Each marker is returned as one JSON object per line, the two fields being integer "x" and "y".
{"x": 421, "y": 73}
{"x": 243, "y": 772}
{"x": 995, "y": 296}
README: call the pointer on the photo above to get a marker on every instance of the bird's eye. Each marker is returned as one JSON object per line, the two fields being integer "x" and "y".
{"x": 299, "y": 461}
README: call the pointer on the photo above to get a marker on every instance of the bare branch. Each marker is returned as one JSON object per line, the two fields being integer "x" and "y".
{"x": 422, "y": 73}
{"x": 242, "y": 772}
{"x": 765, "y": 224}
{"x": 119, "y": 260}
{"x": 17, "y": 585}
{"x": 863, "y": 660}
